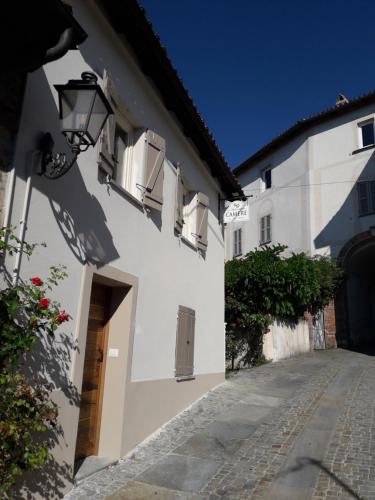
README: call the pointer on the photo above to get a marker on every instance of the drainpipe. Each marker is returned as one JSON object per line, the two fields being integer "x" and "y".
{"x": 21, "y": 236}
{"x": 9, "y": 198}
{"x": 64, "y": 44}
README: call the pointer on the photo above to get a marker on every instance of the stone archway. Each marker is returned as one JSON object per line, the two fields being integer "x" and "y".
{"x": 355, "y": 302}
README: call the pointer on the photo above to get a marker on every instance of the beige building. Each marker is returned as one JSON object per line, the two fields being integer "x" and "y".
{"x": 136, "y": 223}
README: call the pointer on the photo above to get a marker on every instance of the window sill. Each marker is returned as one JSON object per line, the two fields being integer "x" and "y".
{"x": 365, "y": 148}
{"x": 185, "y": 378}
{"x": 188, "y": 242}
{"x": 262, "y": 244}
{"x": 126, "y": 193}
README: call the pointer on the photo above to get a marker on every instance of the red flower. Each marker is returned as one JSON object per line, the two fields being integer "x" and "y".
{"x": 44, "y": 303}
{"x": 36, "y": 281}
{"x": 62, "y": 316}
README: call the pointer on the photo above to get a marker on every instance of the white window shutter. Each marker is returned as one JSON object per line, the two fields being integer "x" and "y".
{"x": 202, "y": 221}
{"x": 106, "y": 158}
{"x": 153, "y": 170}
{"x": 179, "y": 218}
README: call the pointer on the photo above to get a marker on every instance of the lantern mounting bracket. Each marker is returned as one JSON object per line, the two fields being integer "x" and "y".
{"x": 83, "y": 110}
{"x": 55, "y": 165}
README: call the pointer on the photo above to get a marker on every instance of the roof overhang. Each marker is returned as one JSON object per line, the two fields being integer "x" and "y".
{"x": 37, "y": 32}
{"x": 128, "y": 19}
{"x": 303, "y": 126}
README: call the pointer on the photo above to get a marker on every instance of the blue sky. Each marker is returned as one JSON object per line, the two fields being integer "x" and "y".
{"x": 254, "y": 68}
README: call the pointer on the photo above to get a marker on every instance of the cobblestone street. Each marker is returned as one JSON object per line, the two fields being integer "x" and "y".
{"x": 297, "y": 429}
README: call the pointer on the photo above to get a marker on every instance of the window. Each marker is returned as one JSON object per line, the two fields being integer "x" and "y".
{"x": 366, "y": 130}
{"x": 267, "y": 179}
{"x": 132, "y": 158}
{"x": 237, "y": 242}
{"x": 184, "y": 365}
{"x": 122, "y": 152}
{"x": 366, "y": 197}
{"x": 265, "y": 229}
{"x": 266, "y": 182}
{"x": 191, "y": 214}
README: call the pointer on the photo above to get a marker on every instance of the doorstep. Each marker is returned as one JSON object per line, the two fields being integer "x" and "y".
{"x": 89, "y": 466}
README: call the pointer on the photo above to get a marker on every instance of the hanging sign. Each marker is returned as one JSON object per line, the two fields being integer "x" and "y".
{"x": 237, "y": 211}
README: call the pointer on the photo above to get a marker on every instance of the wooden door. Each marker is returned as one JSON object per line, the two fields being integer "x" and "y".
{"x": 93, "y": 372}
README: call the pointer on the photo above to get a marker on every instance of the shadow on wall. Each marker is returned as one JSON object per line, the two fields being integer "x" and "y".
{"x": 355, "y": 319}
{"x": 81, "y": 220}
{"x": 345, "y": 223}
{"x": 48, "y": 365}
{"x": 78, "y": 213}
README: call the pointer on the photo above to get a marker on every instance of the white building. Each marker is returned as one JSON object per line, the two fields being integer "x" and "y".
{"x": 313, "y": 189}
{"x": 136, "y": 223}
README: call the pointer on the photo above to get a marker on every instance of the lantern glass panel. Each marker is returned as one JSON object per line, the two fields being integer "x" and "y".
{"x": 75, "y": 109}
{"x": 97, "y": 118}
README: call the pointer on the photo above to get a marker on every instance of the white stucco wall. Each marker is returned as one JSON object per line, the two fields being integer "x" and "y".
{"x": 313, "y": 199}
{"x": 284, "y": 342}
{"x": 119, "y": 232}
{"x": 84, "y": 221}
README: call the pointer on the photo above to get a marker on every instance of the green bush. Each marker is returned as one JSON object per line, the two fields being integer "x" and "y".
{"x": 264, "y": 286}
{"x": 26, "y": 411}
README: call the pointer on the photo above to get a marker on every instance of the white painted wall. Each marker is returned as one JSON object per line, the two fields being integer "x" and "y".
{"x": 284, "y": 342}
{"x": 313, "y": 199}
{"x": 79, "y": 216}
{"x": 83, "y": 221}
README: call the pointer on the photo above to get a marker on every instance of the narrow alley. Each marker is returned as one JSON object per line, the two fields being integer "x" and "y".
{"x": 297, "y": 429}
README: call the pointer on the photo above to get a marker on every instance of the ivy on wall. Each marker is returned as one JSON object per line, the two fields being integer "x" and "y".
{"x": 265, "y": 286}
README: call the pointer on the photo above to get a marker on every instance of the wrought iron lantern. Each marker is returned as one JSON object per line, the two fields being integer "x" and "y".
{"x": 83, "y": 110}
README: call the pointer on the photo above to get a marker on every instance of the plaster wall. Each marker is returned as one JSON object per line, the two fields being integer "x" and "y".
{"x": 284, "y": 342}
{"x": 87, "y": 224}
{"x": 313, "y": 199}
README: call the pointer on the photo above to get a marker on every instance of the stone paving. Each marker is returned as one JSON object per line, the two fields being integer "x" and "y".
{"x": 297, "y": 429}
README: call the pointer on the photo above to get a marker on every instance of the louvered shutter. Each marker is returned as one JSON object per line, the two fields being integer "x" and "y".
{"x": 179, "y": 219}
{"x": 362, "y": 198}
{"x": 107, "y": 159}
{"x": 262, "y": 230}
{"x": 153, "y": 170}
{"x": 202, "y": 221}
{"x": 185, "y": 342}
{"x": 268, "y": 228}
{"x": 372, "y": 195}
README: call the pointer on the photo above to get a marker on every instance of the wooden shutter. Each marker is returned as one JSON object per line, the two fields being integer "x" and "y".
{"x": 268, "y": 228}
{"x": 372, "y": 195}
{"x": 185, "y": 342}
{"x": 262, "y": 230}
{"x": 363, "y": 201}
{"x": 179, "y": 218}
{"x": 107, "y": 159}
{"x": 202, "y": 221}
{"x": 153, "y": 170}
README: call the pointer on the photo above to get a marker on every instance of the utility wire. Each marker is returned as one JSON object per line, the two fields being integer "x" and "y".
{"x": 308, "y": 185}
